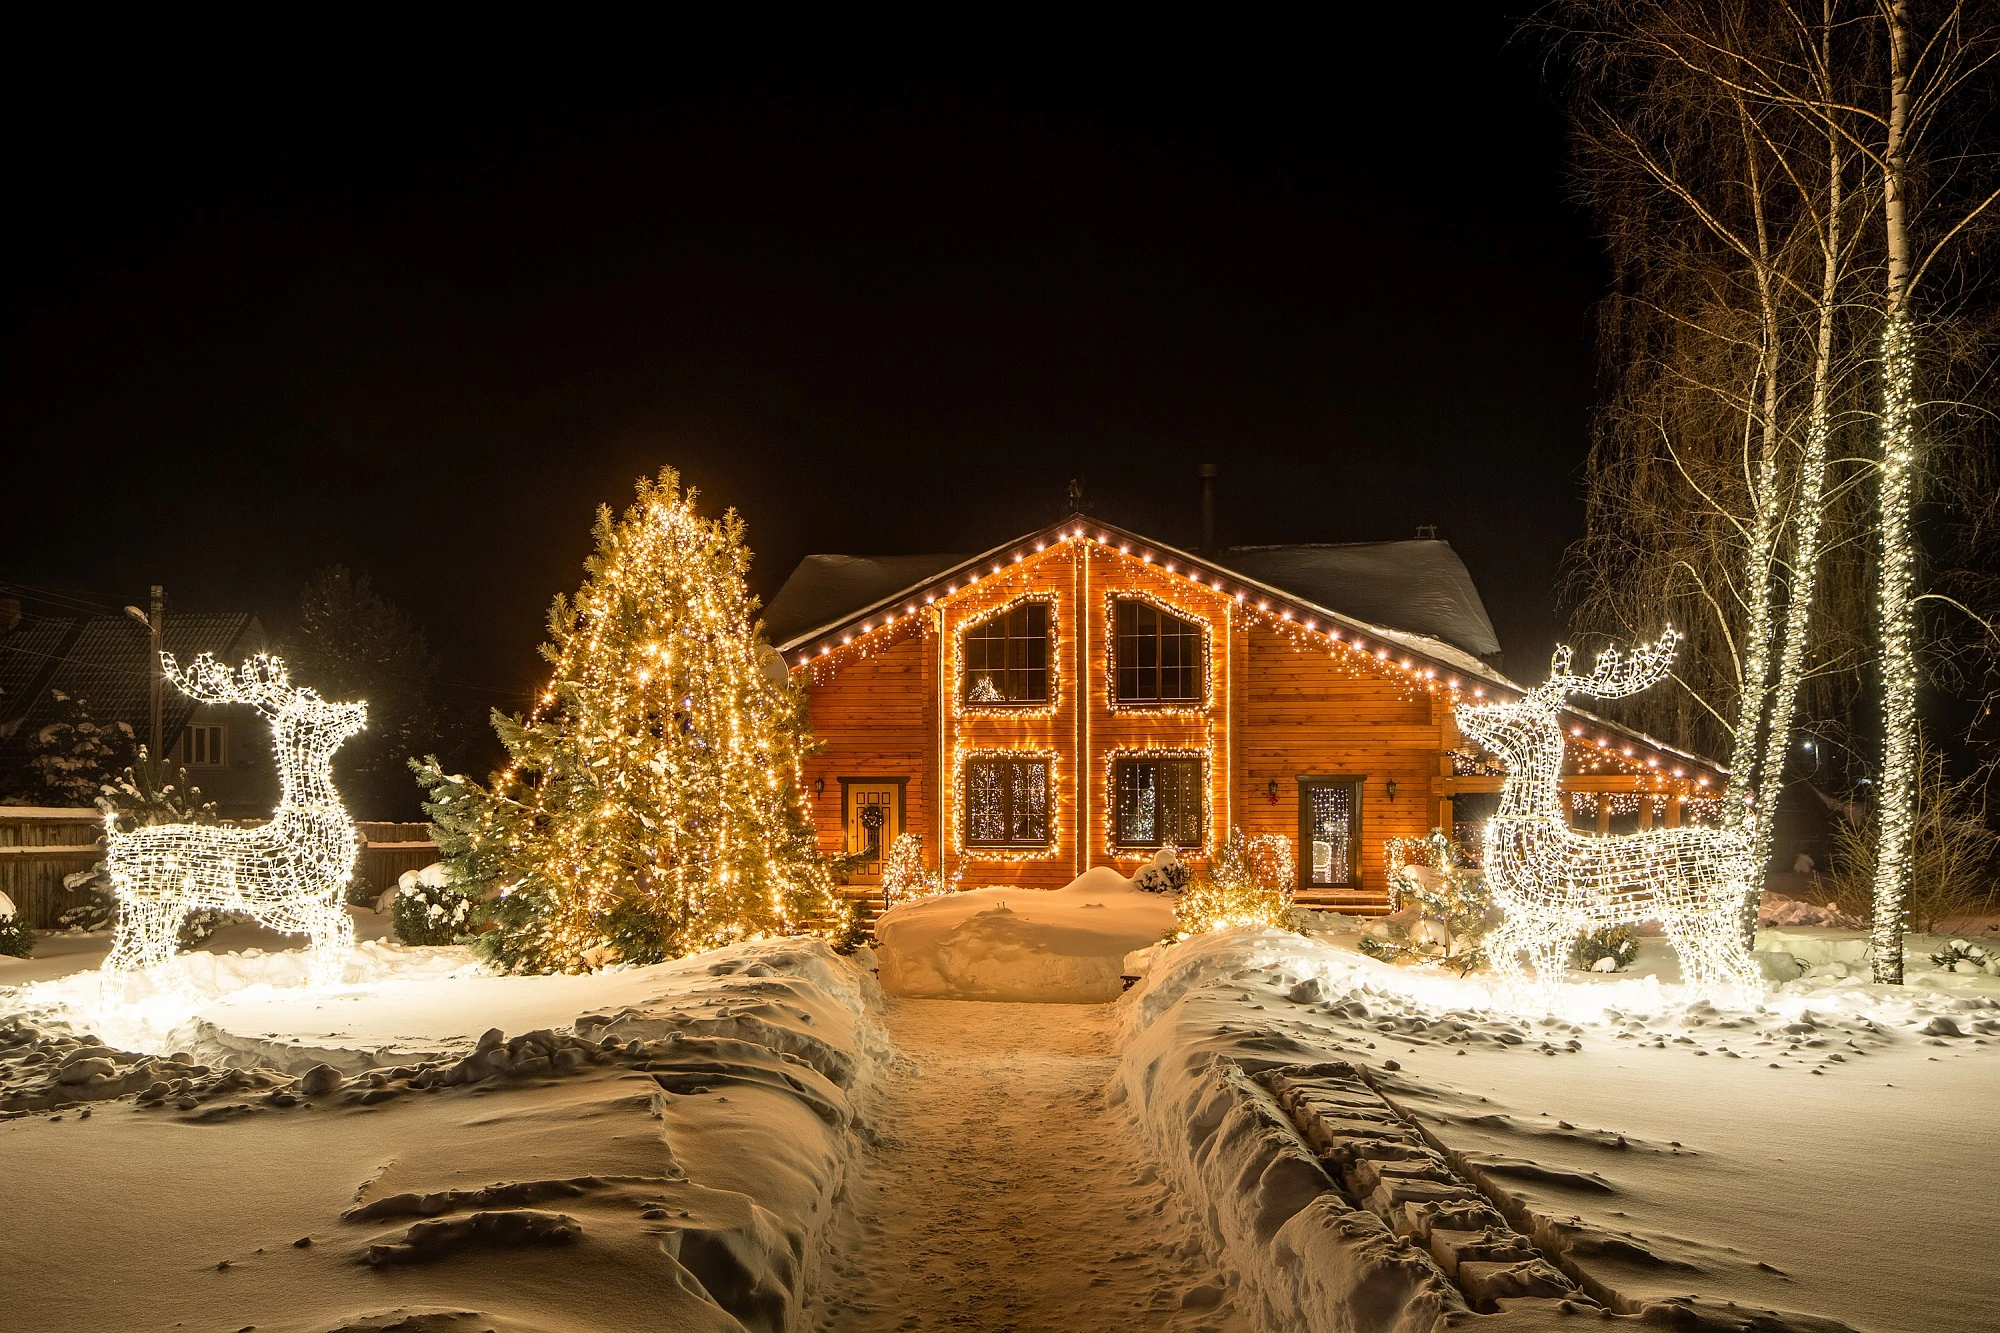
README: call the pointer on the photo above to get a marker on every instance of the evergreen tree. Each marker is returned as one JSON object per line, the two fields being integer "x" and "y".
{"x": 348, "y": 642}
{"x": 653, "y": 804}
{"x": 70, "y": 758}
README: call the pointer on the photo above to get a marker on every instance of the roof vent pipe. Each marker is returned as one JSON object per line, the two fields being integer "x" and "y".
{"x": 1207, "y": 472}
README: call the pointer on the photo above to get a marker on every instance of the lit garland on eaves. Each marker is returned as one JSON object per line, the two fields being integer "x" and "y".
{"x": 290, "y": 874}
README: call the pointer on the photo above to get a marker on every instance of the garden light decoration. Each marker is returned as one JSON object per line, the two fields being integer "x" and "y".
{"x": 1552, "y": 883}
{"x": 290, "y": 874}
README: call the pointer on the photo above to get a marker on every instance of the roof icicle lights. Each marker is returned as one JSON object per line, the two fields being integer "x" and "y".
{"x": 1553, "y": 883}
{"x": 290, "y": 874}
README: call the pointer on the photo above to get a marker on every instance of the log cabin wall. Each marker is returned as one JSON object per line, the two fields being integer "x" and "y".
{"x": 1274, "y": 708}
{"x": 1306, "y": 712}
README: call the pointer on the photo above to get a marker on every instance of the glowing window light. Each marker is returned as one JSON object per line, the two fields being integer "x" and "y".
{"x": 1552, "y": 883}
{"x": 290, "y": 874}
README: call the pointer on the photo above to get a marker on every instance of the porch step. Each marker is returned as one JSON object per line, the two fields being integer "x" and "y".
{"x": 1345, "y": 901}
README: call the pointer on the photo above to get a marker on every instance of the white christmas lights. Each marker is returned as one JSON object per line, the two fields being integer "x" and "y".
{"x": 290, "y": 874}
{"x": 1896, "y": 612}
{"x": 1552, "y": 883}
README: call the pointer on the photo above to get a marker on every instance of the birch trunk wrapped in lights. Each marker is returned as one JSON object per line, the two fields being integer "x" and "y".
{"x": 1552, "y": 884}
{"x": 654, "y": 806}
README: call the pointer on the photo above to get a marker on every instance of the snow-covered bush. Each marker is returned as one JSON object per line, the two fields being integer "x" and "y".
{"x": 1165, "y": 873}
{"x": 17, "y": 938}
{"x": 1443, "y": 906}
{"x": 429, "y": 909}
{"x": 1608, "y": 949}
{"x": 1246, "y": 885}
{"x": 1965, "y": 956}
{"x": 71, "y": 757}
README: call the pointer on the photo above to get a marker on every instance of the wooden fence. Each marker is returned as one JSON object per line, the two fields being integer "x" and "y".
{"x": 39, "y": 846}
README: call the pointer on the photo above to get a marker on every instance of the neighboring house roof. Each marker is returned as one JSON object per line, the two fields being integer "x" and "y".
{"x": 105, "y": 660}
{"x": 838, "y": 596}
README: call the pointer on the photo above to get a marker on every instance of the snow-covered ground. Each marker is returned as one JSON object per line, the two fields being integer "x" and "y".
{"x": 1065, "y": 946}
{"x": 652, "y": 1147}
{"x": 1827, "y": 1155}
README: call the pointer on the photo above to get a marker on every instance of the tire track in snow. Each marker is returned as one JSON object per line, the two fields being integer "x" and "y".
{"x": 1002, "y": 1192}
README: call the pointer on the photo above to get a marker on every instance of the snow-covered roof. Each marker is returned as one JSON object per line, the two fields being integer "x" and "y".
{"x": 106, "y": 660}
{"x": 1420, "y": 588}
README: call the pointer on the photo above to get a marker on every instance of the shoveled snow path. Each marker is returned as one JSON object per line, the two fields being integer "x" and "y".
{"x": 1003, "y": 1192}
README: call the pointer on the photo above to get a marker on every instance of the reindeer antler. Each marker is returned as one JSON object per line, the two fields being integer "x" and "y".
{"x": 262, "y": 681}
{"x": 1616, "y": 673}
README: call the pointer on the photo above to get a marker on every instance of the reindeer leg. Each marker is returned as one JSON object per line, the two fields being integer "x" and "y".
{"x": 1503, "y": 953}
{"x": 147, "y": 934}
{"x": 1551, "y": 954}
{"x": 332, "y": 932}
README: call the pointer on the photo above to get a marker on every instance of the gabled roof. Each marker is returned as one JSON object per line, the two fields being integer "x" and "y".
{"x": 106, "y": 660}
{"x": 1420, "y": 587}
{"x": 838, "y": 598}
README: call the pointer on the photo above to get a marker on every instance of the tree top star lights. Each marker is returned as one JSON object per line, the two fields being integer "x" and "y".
{"x": 291, "y": 874}
{"x": 1553, "y": 883}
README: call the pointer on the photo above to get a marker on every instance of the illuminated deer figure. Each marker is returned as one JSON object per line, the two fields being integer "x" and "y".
{"x": 1552, "y": 883}
{"x": 290, "y": 874}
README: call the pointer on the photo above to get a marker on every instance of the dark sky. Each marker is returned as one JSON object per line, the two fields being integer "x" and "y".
{"x": 418, "y": 302}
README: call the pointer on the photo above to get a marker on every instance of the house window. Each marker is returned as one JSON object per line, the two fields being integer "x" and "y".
{"x": 1007, "y": 657}
{"x": 201, "y": 747}
{"x": 1006, "y": 802}
{"x": 1159, "y": 655}
{"x": 1159, "y": 802}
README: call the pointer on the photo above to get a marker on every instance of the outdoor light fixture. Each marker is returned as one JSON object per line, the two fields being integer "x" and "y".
{"x": 819, "y": 786}
{"x": 1391, "y": 788}
{"x": 1273, "y": 790}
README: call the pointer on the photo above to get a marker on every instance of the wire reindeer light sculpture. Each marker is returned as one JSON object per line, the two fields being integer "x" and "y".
{"x": 290, "y": 874}
{"x": 1552, "y": 883}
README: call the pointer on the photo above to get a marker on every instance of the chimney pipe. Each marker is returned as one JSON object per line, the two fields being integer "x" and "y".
{"x": 1207, "y": 473}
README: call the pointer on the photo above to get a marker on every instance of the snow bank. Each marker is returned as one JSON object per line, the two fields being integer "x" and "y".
{"x": 1674, "y": 1161}
{"x": 661, "y": 1148}
{"x": 1065, "y": 946}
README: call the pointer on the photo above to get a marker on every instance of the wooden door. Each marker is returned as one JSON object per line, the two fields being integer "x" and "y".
{"x": 1330, "y": 833}
{"x": 874, "y": 818}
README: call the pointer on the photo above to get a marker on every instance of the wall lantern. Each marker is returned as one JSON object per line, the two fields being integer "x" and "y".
{"x": 1391, "y": 788}
{"x": 819, "y": 786}
{"x": 1272, "y": 790}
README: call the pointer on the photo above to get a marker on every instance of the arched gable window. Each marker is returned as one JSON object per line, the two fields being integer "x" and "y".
{"x": 1007, "y": 658}
{"x": 1159, "y": 655}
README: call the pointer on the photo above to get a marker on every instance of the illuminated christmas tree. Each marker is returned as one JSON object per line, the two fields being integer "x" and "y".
{"x": 653, "y": 807}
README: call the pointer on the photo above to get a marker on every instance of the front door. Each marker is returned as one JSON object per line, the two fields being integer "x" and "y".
{"x": 874, "y": 818}
{"x": 1329, "y": 833}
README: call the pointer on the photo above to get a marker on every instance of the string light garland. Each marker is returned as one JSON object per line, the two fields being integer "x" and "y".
{"x": 993, "y": 704}
{"x": 1896, "y": 587}
{"x": 290, "y": 874}
{"x": 1553, "y": 884}
{"x": 1182, "y": 708}
{"x": 964, "y": 755}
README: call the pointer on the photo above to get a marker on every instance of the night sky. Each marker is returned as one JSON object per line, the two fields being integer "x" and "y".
{"x": 418, "y": 302}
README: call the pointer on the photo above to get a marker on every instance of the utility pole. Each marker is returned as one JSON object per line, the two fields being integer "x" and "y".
{"x": 156, "y": 669}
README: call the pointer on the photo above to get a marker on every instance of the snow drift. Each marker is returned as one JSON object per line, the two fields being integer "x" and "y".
{"x": 1065, "y": 946}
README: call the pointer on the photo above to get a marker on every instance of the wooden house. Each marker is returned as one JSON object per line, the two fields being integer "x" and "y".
{"x": 1084, "y": 694}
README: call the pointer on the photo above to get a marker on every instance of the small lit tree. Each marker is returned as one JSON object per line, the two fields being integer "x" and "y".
{"x": 1248, "y": 884}
{"x": 653, "y": 807}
